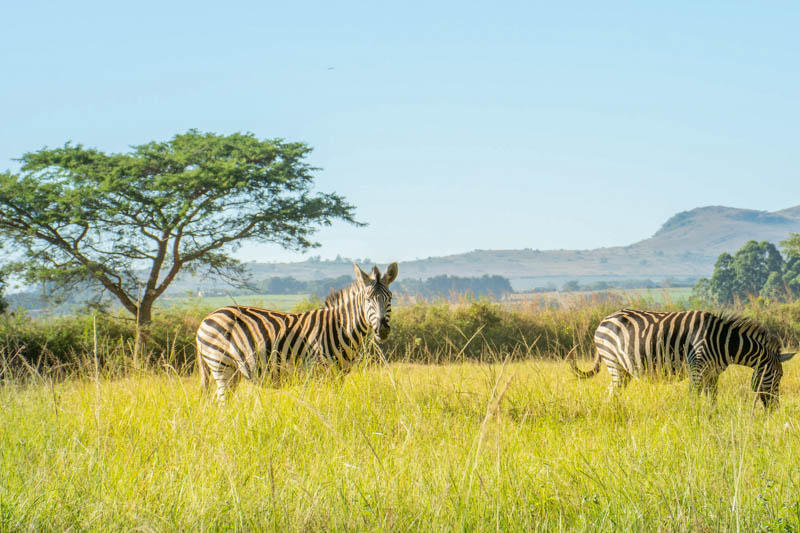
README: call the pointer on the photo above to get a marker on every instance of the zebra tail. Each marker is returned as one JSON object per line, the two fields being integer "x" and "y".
{"x": 201, "y": 367}
{"x": 583, "y": 374}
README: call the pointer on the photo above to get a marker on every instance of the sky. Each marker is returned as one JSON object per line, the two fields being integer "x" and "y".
{"x": 450, "y": 126}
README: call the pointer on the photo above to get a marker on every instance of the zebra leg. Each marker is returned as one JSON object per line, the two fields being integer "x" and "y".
{"x": 224, "y": 376}
{"x": 201, "y": 367}
{"x": 709, "y": 385}
{"x": 703, "y": 380}
{"x": 274, "y": 371}
{"x": 619, "y": 377}
{"x": 206, "y": 375}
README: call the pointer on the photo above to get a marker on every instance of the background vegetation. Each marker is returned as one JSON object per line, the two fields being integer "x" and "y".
{"x": 434, "y": 287}
{"x": 757, "y": 270}
{"x": 428, "y": 332}
{"x": 627, "y": 284}
{"x": 268, "y": 291}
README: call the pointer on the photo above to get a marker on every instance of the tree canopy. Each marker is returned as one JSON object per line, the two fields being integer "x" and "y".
{"x": 791, "y": 246}
{"x": 3, "y": 302}
{"x": 130, "y": 222}
{"x": 757, "y": 269}
{"x": 435, "y": 287}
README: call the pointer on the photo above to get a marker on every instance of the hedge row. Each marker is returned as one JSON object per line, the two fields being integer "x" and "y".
{"x": 420, "y": 332}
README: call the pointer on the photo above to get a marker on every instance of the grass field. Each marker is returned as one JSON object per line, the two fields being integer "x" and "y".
{"x": 640, "y": 297}
{"x": 461, "y": 447}
{"x": 278, "y": 302}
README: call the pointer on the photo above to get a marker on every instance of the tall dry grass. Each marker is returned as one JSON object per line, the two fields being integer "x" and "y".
{"x": 427, "y": 332}
{"x": 514, "y": 446}
{"x": 492, "y": 432}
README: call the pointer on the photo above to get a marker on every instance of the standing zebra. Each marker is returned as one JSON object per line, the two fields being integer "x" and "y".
{"x": 244, "y": 340}
{"x": 645, "y": 343}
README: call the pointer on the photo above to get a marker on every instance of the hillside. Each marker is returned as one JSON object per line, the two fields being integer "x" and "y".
{"x": 713, "y": 230}
{"x": 686, "y": 246}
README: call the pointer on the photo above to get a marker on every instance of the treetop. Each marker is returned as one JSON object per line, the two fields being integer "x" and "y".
{"x": 80, "y": 214}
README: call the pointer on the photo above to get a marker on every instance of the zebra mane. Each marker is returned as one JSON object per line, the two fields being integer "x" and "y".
{"x": 335, "y": 297}
{"x": 755, "y": 329}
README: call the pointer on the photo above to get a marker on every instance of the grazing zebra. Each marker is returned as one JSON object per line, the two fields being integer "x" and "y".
{"x": 245, "y": 340}
{"x": 645, "y": 343}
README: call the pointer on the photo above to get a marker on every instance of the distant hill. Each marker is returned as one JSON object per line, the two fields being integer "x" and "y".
{"x": 686, "y": 246}
{"x": 718, "y": 229}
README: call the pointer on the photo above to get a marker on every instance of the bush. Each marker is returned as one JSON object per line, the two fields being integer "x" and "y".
{"x": 480, "y": 329}
{"x": 68, "y": 344}
{"x": 422, "y": 332}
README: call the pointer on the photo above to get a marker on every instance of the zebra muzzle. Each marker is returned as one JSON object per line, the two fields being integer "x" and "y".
{"x": 383, "y": 330}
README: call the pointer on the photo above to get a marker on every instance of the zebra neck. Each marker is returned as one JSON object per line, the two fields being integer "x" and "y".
{"x": 732, "y": 346}
{"x": 348, "y": 314}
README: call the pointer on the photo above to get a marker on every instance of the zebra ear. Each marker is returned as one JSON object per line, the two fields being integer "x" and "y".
{"x": 361, "y": 276}
{"x": 785, "y": 357}
{"x": 390, "y": 275}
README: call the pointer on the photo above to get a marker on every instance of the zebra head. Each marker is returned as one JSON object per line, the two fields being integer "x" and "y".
{"x": 377, "y": 298}
{"x": 767, "y": 378}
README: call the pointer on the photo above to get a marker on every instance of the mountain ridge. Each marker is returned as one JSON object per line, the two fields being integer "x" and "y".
{"x": 685, "y": 246}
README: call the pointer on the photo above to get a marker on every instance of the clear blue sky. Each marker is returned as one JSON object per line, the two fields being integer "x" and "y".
{"x": 541, "y": 125}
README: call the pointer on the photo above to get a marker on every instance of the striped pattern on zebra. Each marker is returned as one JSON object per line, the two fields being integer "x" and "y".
{"x": 635, "y": 343}
{"x": 241, "y": 340}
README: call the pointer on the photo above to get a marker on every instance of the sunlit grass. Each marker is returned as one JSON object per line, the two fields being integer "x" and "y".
{"x": 518, "y": 447}
{"x": 278, "y": 302}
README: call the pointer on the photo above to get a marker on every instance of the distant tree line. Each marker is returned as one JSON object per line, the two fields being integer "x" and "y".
{"x": 290, "y": 285}
{"x": 446, "y": 286}
{"x": 436, "y": 287}
{"x": 758, "y": 269}
{"x": 339, "y": 259}
{"x": 575, "y": 286}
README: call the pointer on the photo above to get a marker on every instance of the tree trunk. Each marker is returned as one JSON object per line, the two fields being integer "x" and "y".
{"x": 143, "y": 318}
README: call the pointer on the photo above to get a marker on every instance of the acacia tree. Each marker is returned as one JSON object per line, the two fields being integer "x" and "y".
{"x": 131, "y": 222}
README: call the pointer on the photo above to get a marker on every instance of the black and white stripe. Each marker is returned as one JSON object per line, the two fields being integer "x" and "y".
{"x": 240, "y": 340}
{"x": 635, "y": 343}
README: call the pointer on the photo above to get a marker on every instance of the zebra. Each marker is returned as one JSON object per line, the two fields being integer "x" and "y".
{"x": 634, "y": 343}
{"x": 246, "y": 340}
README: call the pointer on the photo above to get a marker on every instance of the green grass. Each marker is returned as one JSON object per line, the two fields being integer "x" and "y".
{"x": 457, "y": 447}
{"x": 640, "y": 297}
{"x": 661, "y": 295}
{"x": 277, "y": 302}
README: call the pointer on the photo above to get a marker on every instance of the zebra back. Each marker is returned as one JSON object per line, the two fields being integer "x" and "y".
{"x": 634, "y": 342}
{"x": 649, "y": 339}
{"x": 248, "y": 338}
{"x": 242, "y": 340}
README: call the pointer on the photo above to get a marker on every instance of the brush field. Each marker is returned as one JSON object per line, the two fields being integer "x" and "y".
{"x": 278, "y": 302}
{"x": 515, "y": 446}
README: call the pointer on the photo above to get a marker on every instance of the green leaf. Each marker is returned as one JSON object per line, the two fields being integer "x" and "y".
{"x": 132, "y": 221}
